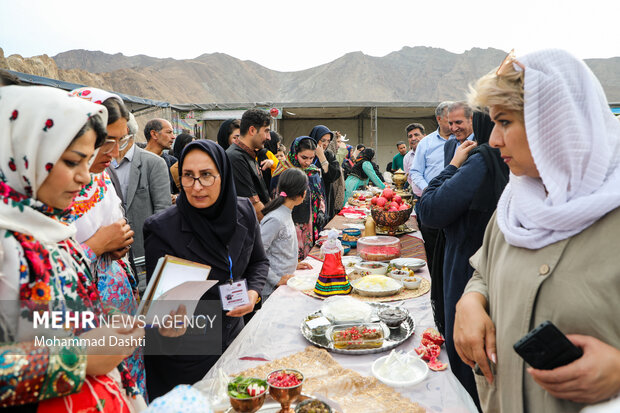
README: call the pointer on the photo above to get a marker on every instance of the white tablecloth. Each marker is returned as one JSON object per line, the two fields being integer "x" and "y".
{"x": 274, "y": 332}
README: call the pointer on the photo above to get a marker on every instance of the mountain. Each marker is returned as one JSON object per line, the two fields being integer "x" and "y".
{"x": 412, "y": 74}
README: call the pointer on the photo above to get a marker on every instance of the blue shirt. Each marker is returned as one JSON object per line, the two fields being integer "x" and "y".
{"x": 428, "y": 160}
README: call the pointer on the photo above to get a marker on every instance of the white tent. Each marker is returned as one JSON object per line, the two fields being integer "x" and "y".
{"x": 376, "y": 124}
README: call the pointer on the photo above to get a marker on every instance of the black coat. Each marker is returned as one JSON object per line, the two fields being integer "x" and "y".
{"x": 329, "y": 177}
{"x": 166, "y": 233}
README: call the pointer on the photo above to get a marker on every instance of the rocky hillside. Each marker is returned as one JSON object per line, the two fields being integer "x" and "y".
{"x": 419, "y": 74}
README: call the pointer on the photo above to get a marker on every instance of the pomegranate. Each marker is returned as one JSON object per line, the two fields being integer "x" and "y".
{"x": 397, "y": 199}
{"x": 436, "y": 365}
{"x": 394, "y": 205}
{"x": 432, "y": 335}
{"x": 381, "y": 201}
{"x": 388, "y": 193}
{"x": 374, "y": 200}
{"x": 428, "y": 352}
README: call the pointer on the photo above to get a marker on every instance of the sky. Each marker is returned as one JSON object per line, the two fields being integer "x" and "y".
{"x": 290, "y": 35}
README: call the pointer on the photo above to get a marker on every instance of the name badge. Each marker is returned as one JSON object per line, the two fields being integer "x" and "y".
{"x": 234, "y": 295}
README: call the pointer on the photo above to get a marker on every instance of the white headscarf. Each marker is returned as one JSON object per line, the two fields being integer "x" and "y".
{"x": 97, "y": 205}
{"x": 37, "y": 124}
{"x": 575, "y": 143}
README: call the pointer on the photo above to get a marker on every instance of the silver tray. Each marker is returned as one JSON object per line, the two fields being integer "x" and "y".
{"x": 395, "y": 338}
{"x": 272, "y": 406}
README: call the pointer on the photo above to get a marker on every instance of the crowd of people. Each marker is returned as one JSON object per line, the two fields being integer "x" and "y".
{"x": 517, "y": 189}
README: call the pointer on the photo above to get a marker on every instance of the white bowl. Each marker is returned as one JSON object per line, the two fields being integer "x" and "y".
{"x": 420, "y": 369}
{"x": 350, "y": 262}
{"x": 371, "y": 267}
{"x": 395, "y": 274}
{"x": 412, "y": 285}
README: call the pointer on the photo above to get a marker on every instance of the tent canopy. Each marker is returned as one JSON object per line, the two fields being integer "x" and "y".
{"x": 133, "y": 103}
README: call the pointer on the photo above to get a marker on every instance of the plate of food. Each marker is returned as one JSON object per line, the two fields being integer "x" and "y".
{"x": 377, "y": 286}
{"x": 315, "y": 329}
{"x": 368, "y": 268}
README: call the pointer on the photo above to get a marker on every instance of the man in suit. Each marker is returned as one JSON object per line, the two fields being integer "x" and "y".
{"x": 142, "y": 180}
{"x": 159, "y": 136}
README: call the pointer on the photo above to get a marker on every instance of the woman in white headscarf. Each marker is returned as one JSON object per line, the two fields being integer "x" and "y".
{"x": 550, "y": 251}
{"x": 47, "y": 141}
{"x": 102, "y": 229}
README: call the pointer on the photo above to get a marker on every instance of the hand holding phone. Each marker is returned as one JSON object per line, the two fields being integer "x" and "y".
{"x": 546, "y": 347}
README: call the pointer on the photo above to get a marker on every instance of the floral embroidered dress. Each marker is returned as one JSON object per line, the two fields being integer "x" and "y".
{"x": 307, "y": 216}
{"x": 97, "y": 206}
{"x": 43, "y": 268}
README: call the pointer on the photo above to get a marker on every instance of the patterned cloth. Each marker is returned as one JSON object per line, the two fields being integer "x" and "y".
{"x": 43, "y": 266}
{"x": 97, "y": 206}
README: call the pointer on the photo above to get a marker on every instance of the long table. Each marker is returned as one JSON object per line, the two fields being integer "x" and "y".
{"x": 274, "y": 332}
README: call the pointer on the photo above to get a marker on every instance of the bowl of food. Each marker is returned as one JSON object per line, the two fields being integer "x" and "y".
{"x": 350, "y": 236}
{"x": 247, "y": 394}
{"x": 392, "y": 316}
{"x": 346, "y": 310}
{"x": 392, "y": 218}
{"x": 350, "y": 262}
{"x": 399, "y": 274}
{"x": 377, "y": 286}
{"x": 399, "y": 370}
{"x": 412, "y": 283}
{"x": 378, "y": 248}
{"x": 369, "y": 268}
{"x": 313, "y": 406}
{"x": 285, "y": 386}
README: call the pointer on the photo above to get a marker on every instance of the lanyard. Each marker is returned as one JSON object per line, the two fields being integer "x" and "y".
{"x": 230, "y": 268}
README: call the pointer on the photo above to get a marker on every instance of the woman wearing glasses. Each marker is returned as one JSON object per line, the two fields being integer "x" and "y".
{"x": 101, "y": 226}
{"x": 209, "y": 224}
{"x": 550, "y": 251}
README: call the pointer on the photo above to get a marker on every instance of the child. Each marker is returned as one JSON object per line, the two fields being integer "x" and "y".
{"x": 278, "y": 230}
{"x": 281, "y": 155}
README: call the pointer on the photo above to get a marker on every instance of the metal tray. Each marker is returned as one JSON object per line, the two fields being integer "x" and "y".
{"x": 403, "y": 229}
{"x": 395, "y": 338}
{"x": 272, "y": 406}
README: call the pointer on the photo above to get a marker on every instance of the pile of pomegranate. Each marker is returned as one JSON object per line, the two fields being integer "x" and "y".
{"x": 389, "y": 201}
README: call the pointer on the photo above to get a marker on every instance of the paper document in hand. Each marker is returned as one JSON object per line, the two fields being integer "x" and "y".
{"x": 175, "y": 280}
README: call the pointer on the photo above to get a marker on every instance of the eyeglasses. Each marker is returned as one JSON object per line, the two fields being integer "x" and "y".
{"x": 507, "y": 62}
{"x": 205, "y": 179}
{"x": 108, "y": 145}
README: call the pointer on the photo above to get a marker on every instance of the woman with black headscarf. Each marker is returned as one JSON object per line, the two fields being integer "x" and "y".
{"x": 328, "y": 164}
{"x": 267, "y": 159}
{"x": 228, "y": 133}
{"x": 461, "y": 201}
{"x": 211, "y": 225}
{"x": 363, "y": 171}
{"x": 180, "y": 143}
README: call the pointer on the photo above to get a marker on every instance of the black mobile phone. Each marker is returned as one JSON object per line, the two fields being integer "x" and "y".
{"x": 546, "y": 347}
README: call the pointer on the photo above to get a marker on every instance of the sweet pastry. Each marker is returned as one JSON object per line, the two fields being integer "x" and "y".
{"x": 358, "y": 337}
